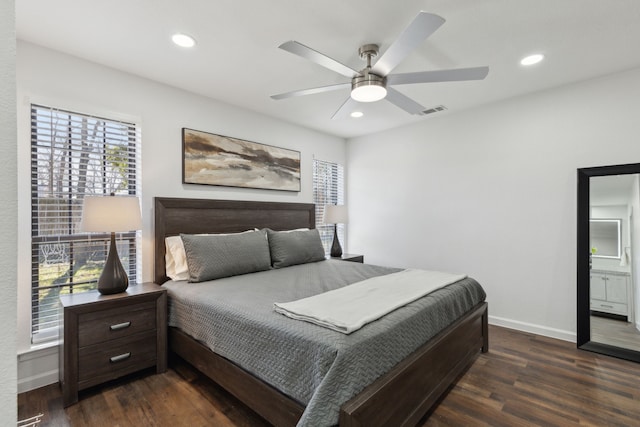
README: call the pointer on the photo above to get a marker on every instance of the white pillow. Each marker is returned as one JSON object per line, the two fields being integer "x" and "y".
{"x": 175, "y": 258}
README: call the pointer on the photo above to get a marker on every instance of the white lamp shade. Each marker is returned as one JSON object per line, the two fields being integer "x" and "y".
{"x": 111, "y": 214}
{"x": 335, "y": 214}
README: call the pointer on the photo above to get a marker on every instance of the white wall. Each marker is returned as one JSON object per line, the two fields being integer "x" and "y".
{"x": 492, "y": 192}
{"x": 8, "y": 210}
{"x": 63, "y": 81}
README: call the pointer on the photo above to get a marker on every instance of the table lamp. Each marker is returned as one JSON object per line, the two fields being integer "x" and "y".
{"x": 335, "y": 214}
{"x": 111, "y": 214}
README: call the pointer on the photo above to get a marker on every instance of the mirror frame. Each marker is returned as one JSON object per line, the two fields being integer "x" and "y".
{"x": 583, "y": 337}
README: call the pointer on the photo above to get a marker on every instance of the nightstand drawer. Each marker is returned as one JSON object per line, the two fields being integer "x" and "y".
{"x": 103, "y": 361}
{"x": 104, "y": 325}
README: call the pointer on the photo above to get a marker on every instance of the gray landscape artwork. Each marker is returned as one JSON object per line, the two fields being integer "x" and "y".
{"x": 221, "y": 160}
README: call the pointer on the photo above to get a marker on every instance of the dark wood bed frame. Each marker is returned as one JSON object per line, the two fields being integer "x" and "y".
{"x": 401, "y": 397}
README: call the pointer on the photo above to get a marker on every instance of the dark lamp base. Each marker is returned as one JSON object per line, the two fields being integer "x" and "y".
{"x": 113, "y": 279}
{"x": 336, "y": 249}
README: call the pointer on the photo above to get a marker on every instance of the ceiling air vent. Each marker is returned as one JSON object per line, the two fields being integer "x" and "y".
{"x": 434, "y": 109}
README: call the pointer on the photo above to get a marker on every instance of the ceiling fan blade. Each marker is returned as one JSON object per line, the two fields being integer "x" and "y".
{"x": 317, "y": 57}
{"x": 459, "y": 74}
{"x": 311, "y": 91}
{"x": 420, "y": 28}
{"x": 404, "y": 102}
{"x": 345, "y": 109}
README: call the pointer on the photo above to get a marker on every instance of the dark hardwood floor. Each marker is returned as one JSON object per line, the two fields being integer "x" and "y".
{"x": 524, "y": 380}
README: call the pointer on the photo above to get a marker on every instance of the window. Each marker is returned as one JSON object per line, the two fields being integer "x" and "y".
{"x": 73, "y": 155}
{"x": 328, "y": 189}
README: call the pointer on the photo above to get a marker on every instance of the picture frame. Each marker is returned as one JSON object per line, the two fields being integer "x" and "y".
{"x": 212, "y": 159}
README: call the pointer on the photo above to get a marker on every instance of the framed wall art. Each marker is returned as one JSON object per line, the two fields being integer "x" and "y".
{"x": 212, "y": 159}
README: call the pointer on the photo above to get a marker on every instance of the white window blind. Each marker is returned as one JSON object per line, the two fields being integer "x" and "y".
{"x": 328, "y": 189}
{"x": 73, "y": 155}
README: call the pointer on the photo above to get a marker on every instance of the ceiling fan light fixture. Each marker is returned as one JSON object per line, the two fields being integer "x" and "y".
{"x": 368, "y": 88}
{"x": 368, "y": 93}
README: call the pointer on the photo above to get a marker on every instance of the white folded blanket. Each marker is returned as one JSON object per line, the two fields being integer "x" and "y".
{"x": 349, "y": 308}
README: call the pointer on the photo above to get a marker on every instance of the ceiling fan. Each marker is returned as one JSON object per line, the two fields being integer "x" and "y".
{"x": 374, "y": 82}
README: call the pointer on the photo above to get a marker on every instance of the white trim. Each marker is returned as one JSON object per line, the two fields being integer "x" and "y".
{"x": 33, "y": 382}
{"x": 80, "y": 107}
{"x": 38, "y": 368}
{"x": 534, "y": 329}
{"x": 638, "y": 325}
{"x": 51, "y": 348}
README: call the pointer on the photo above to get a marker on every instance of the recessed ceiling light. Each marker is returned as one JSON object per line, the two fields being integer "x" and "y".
{"x": 532, "y": 59}
{"x": 183, "y": 40}
{"x": 357, "y": 114}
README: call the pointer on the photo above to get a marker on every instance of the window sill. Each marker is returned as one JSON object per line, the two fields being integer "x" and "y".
{"x": 37, "y": 350}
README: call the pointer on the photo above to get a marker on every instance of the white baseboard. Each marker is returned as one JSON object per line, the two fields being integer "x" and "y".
{"x": 36, "y": 381}
{"x": 37, "y": 368}
{"x": 534, "y": 329}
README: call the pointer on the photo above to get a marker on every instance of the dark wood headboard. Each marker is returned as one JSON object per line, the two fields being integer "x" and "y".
{"x": 192, "y": 216}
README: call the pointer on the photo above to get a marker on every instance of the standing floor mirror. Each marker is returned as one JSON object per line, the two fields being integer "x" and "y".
{"x": 608, "y": 257}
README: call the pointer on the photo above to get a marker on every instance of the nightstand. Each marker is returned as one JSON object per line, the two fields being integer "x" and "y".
{"x": 350, "y": 257}
{"x": 108, "y": 336}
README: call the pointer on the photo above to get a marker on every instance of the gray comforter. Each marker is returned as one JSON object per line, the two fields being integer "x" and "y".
{"x": 316, "y": 366}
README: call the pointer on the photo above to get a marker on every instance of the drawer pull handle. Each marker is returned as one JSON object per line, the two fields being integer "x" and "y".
{"x": 120, "y": 326}
{"x": 120, "y": 357}
{"x": 606, "y": 306}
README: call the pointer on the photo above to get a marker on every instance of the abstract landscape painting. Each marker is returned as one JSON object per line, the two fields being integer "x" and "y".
{"x": 221, "y": 160}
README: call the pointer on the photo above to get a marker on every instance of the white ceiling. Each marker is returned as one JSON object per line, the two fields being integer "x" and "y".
{"x": 237, "y": 60}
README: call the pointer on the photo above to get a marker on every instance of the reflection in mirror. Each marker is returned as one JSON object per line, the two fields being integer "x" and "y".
{"x": 605, "y": 237}
{"x": 608, "y": 268}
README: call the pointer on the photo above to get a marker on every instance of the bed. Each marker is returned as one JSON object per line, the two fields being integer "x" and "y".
{"x": 402, "y": 395}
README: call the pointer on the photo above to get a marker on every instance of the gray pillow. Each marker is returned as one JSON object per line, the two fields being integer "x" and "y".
{"x": 295, "y": 247}
{"x": 215, "y": 256}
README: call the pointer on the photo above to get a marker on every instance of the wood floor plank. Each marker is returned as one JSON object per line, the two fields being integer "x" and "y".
{"x": 524, "y": 380}
{"x": 537, "y": 414}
